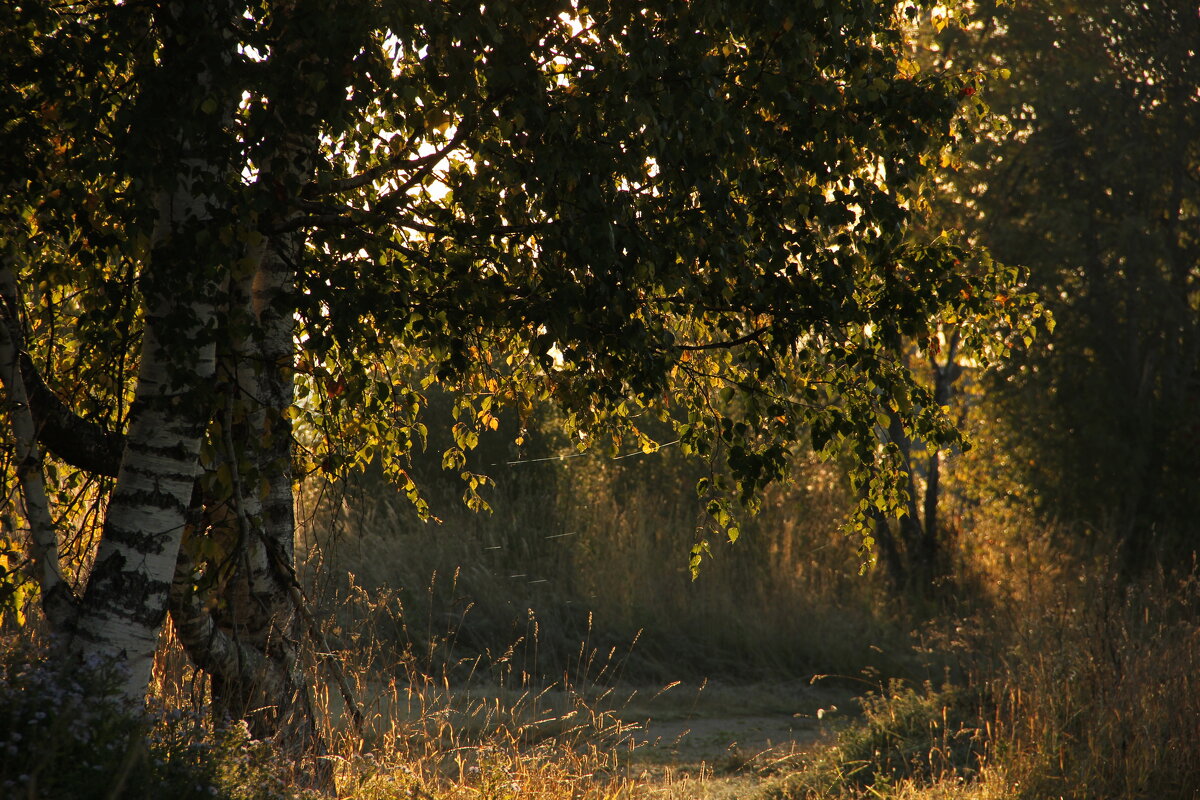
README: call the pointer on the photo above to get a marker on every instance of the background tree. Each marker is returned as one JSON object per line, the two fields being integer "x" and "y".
{"x": 232, "y": 229}
{"x": 917, "y": 548}
{"x": 1094, "y": 187}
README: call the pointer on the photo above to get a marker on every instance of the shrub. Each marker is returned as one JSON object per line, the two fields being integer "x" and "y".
{"x": 66, "y": 733}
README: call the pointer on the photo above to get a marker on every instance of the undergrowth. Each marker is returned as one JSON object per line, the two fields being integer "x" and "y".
{"x": 491, "y": 658}
{"x": 1090, "y": 692}
{"x": 65, "y": 735}
{"x": 596, "y": 550}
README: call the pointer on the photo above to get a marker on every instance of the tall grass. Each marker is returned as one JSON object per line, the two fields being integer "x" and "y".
{"x": 1099, "y": 694}
{"x": 66, "y": 735}
{"x": 596, "y": 550}
{"x": 478, "y": 726}
{"x": 1086, "y": 689}
{"x": 494, "y": 654}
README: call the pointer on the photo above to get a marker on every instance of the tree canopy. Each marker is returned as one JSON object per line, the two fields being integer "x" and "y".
{"x": 242, "y": 239}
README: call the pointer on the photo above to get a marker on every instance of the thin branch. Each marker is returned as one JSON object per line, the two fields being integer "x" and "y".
{"x": 422, "y": 165}
{"x": 749, "y": 337}
{"x": 342, "y": 220}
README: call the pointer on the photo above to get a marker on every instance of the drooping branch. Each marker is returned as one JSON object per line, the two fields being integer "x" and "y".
{"x": 424, "y": 166}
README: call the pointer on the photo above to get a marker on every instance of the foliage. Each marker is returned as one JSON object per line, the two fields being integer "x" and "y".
{"x": 714, "y": 210}
{"x": 17, "y": 592}
{"x": 259, "y": 236}
{"x": 622, "y": 208}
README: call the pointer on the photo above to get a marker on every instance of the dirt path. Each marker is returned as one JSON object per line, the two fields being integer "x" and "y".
{"x": 721, "y": 742}
{"x": 683, "y": 742}
{"x": 711, "y": 739}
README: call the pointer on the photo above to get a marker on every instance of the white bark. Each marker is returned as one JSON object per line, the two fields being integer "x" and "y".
{"x": 193, "y": 162}
{"x": 273, "y": 305}
{"x": 126, "y": 598}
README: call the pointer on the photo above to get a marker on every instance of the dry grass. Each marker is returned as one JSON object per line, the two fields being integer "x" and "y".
{"x": 595, "y": 551}
{"x": 1088, "y": 690}
{"x": 1058, "y": 680}
{"x": 1099, "y": 697}
{"x": 495, "y": 654}
{"x": 484, "y": 732}
{"x": 503, "y": 656}
{"x": 473, "y": 727}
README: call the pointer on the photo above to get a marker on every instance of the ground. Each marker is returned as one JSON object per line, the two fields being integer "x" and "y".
{"x": 719, "y": 742}
{"x": 709, "y": 741}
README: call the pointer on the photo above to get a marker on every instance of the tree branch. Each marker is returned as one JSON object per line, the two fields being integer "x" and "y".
{"x": 422, "y": 164}
{"x": 426, "y": 165}
{"x": 81, "y": 443}
{"x": 66, "y": 435}
{"x": 749, "y": 337}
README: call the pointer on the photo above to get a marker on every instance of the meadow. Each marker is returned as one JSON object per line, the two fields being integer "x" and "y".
{"x": 558, "y": 647}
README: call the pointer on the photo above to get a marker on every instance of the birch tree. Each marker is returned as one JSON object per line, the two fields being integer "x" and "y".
{"x": 242, "y": 239}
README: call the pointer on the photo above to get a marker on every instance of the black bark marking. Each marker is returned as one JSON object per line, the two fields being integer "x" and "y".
{"x": 128, "y": 593}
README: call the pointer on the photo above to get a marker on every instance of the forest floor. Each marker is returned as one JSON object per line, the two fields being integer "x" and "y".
{"x": 719, "y": 742}
{"x": 709, "y": 741}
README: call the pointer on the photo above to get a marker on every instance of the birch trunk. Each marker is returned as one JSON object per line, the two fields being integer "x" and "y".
{"x": 261, "y": 603}
{"x": 57, "y": 598}
{"x": 190, "y": 163}
{"x": 126, "y": 599}
{"x": 268, "y": 598}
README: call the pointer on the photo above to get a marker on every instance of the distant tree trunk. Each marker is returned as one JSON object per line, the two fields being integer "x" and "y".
{"x": 893, "y": 559}
{"x": 911, "y": 571}
{"x": 933, "y": 550}
{"x": 916, "y": 558}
